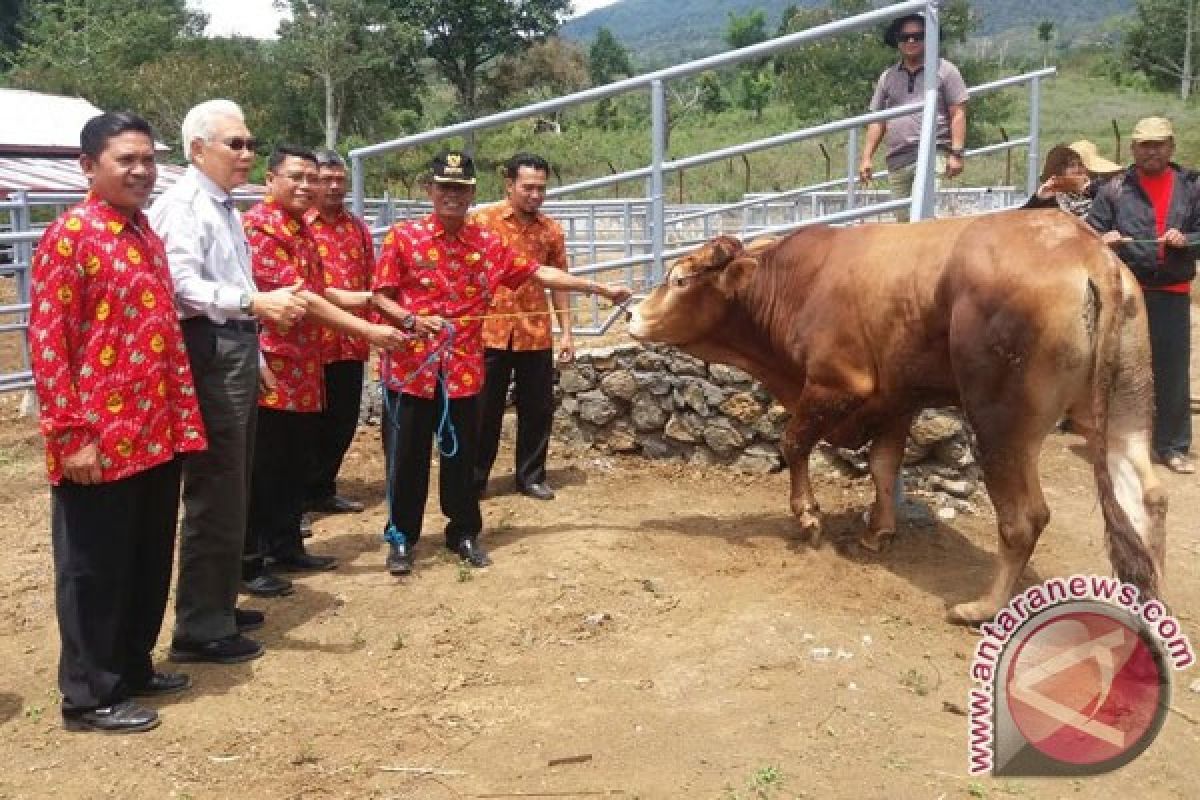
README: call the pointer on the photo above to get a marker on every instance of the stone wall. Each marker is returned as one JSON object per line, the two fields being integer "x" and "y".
{"x": 664, "y": 404}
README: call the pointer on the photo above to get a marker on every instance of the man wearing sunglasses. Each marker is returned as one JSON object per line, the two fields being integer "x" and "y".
{"x": 904, "y": 83}
{"x": 220, "y": 307}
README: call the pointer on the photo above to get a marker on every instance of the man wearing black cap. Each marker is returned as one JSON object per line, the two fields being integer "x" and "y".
{"x": 435, "y": 276}
{"x": 904, "y": 83}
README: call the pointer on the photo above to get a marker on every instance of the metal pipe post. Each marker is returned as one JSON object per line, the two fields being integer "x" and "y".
{"x": 358, "y": 192}
{"x": 1032, "y": 170}
{"x": 924, "y": 184}
{"x": 658, "y": 133}
{"x": 851, "y": 167}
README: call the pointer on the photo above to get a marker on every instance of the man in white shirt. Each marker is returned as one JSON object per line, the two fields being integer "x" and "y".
{"x": 219, "y": 306}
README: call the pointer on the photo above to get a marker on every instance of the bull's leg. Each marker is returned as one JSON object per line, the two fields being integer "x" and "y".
{"x": 798, "y": 441}
{"x": 887, "y": 453}
{"x": 1010, "y": 472}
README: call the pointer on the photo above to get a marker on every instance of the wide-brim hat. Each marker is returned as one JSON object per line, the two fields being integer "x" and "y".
{"x": 1089, "y": 154}
{"x": 454, "y": 167}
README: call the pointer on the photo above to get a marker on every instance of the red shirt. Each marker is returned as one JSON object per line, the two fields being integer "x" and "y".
{"x": 1159, "y": 189}
{"x": 283, "y": 254}
{"x": 109, "y": 363}
{"x": 451, "y": 276}
{"x": 348, "y": 257}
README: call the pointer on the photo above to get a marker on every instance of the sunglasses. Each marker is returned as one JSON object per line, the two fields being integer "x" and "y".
{"x": 242, "y": 143}
{"x": 911, "y": 37}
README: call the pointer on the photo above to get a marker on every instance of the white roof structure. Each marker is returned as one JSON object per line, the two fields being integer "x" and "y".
{"x": 42, "y": 174}
{"x": 32, "y": 123}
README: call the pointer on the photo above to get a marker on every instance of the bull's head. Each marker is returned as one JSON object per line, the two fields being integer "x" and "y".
{"x": 697, "y": 293}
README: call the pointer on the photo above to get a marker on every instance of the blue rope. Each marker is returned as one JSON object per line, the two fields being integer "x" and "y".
{"x": 445, "y": 428}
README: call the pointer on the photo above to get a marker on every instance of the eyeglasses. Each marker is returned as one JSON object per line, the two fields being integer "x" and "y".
{"x": 912, "y": 37}
{"x": 301, "y": 178}
{"x": 241, "y": 143}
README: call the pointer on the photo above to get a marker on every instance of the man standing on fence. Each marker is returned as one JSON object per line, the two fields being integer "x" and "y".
{"x": 436, "y": 276}
{"x": 518, "y": 342}
{"x": 221, "y": 308}
{"x": 902, "y": 84}
{"x": 348, "y": 256}
{"x": 117, "y": 409}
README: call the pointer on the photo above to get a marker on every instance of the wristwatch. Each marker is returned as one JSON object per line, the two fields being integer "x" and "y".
{"x": 957, "y": 152}
{"x": 246, "y": 304}
{"x": 409, "y": 323}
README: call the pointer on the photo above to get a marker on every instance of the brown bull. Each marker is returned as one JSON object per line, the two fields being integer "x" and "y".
{"x": 1020, "y": 318}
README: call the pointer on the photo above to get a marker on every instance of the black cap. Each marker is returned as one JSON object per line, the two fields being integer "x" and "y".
{"x": 453, "y": 166}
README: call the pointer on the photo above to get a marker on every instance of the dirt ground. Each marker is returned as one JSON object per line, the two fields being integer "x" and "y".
{"x": 655, "y": 626}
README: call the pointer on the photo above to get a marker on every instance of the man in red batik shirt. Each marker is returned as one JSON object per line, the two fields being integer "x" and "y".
{"x": 435, "y": 276}
{"x": 117, "y": 409}
{"x": 348, "y": 255}
{"x": 283, "y": 254}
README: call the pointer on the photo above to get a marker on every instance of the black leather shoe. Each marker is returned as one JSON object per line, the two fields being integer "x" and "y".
{"x": 305, "y": 526}
{"x": 538, "y": 491}
{"x": 123, "y": 717}
{"x": 399, "y": 559}
{"x": 248, "y": 619}
{"x": 267, "y": 585}
{"x": 304, "y": 562}
{"x": 335, "y": 504}
{"x": 161, "y": 683}
{"x": 470, "y": 551}
{"x": 230, "y": 650}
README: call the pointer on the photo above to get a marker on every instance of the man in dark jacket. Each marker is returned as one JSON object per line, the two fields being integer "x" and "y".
{"x": 1151, "y": 214}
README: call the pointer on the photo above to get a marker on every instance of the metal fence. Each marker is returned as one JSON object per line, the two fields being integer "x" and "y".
{"x": 623, "y": 240}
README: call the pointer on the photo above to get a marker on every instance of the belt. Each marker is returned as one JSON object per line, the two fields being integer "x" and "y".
{"x": 243, "y": 325}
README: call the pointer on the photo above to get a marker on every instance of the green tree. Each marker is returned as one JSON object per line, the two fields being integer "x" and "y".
{"x": 1045, "y": 33}
{"x": 712, "y": 94}
{"x": 465, "y": 36}
{"x": 746, "y": 29}
{"x": 361, "y": 54}
{"x": 10, "y": 34}
{"x": 1162, "y": 43}
{"x": 607, "y": 59}
{"x": 92, "y": 48}
{"x": 547, "y": 69}
{"x": 756, "y": 90}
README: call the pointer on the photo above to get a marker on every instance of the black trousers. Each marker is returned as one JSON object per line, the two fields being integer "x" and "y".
{"x": 113, "y": 546}
{"x": 216, "y": 482}
{"x": 338, "y": 422}
{"x": 533, "y": 371}
{"x": 282, "y": 458}
{"x": 408, "y": 427}
{"x": 1170, "y": 317}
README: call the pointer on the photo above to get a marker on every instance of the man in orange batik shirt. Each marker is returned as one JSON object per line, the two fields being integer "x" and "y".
{"x": 518, "y": 342}
{"x": 117, "y": 408}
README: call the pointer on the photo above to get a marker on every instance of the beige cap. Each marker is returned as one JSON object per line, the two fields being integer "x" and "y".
{"x": 1153, "y": 129}
{"x": 1093, "y": 162}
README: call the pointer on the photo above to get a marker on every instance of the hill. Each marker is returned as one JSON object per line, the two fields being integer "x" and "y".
{"x": 657, "y": 33}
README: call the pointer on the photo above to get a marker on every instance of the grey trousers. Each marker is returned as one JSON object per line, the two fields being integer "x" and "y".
{"x": 216, "y": 483}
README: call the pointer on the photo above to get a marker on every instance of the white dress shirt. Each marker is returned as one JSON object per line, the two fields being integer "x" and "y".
{"x": 206, "y": 246}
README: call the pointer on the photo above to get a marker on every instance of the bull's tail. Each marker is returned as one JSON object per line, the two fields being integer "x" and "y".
{"x": 1131, "y": 502}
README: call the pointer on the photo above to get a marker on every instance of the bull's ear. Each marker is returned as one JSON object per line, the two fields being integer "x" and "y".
{"x": 724, "y": 249}
{"x": 736, "y": 275}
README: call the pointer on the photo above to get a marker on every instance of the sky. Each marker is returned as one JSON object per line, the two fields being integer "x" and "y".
{"x": 258, "y": 18}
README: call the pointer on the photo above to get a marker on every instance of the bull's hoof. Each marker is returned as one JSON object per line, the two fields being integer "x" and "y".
{"x": 810, "y": 526}
{"x": 876, "y": 541}
{"x": 972, "y": 614}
